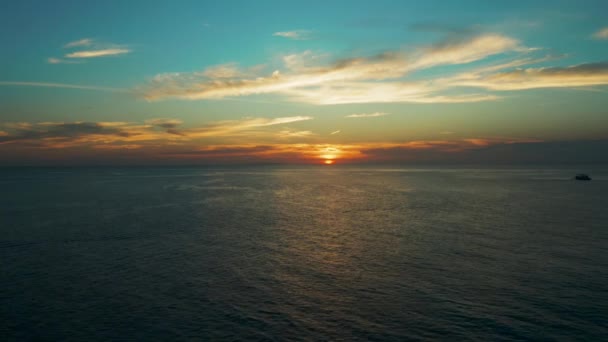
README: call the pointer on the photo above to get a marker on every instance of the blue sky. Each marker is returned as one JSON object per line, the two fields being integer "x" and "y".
{"x": 170, "y": 82}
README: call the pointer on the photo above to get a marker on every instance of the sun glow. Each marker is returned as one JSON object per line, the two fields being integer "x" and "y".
{"x": 328, "y": 161}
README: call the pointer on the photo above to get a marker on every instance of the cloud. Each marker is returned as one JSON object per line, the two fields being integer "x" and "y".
{"x": 226, "y": 151}
{"x": 96, "y": 49}
{"x": 581, "y": 75}
{"x": 281, "y": 153}
{"x": 161, "y": 138}
{"x": 69, "y": 134}
{"x": 385, "y": 77}
{"x": 164, "y": 123}
{"x": 59, "y": 85}
{"x": 170, "y": 125}
{"x": 60, "y": 132}
{"x": 57, "y": 135}
{"x": 334, "y": 132}
{"x": 601, "y": 34}
{"x": 492, "y": 151}
{"x": 97, "y": 53}
{"x": 128, "y": 142}
{"x": 78, "y": 43}
{"x": 306, "y": 77}
{"x": 238, "y": 127}
{"x": 230, "y": 71}
{"x": 433, "y": 150}
{"x": 223, "y": 71}
{"x": 423, "y": 150}
{"x": 296, "y": 34}
{"x": 286, "y": 134}
{"x": 377, "y": 92}
{"x": 304, "y": 61}
{"x": 509, "y": 151}
{"x": 54, "y": 60}
{"x": 461, "y": 50}
{"x": 366, "y": 115}
{"x": 118, "y": 147}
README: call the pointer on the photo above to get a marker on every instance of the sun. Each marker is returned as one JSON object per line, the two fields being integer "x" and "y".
{"x": 328, "y": 161}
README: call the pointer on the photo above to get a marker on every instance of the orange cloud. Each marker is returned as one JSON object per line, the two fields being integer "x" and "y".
{"x": 164, "y": 139}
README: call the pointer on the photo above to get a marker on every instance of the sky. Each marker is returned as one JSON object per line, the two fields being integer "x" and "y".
{"x": 315, "y": 82}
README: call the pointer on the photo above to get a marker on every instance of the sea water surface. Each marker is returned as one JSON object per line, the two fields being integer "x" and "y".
{"x": 303, "y": 253}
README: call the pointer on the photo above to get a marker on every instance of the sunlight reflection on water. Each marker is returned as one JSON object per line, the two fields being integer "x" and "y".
{"x": 303, "y": 253}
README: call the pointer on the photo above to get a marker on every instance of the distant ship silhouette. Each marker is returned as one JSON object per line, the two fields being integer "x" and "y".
{"x": 582, "y": 176}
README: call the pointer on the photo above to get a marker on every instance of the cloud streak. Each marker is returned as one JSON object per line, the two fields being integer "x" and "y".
{"x": 602, "y": 34}
{"x": 60, "y": 85}
{"x": 288, "y": 134}
{"x": 97, "y": 53}
{"x": 378, "y": 78}
{"x": 79, "y": 43}
{"x": 94, "y": 50}
{"x": 388, "y": 77}
{"x": 295, "y": 35}
{"x": 80, "y": 133}
{"x": 239, "y": 127}
{"x": 152, "y": 142}
{"x": 53, "y": 60}
{"x": 581, "y": 75}
{"x": 366, "y": 115}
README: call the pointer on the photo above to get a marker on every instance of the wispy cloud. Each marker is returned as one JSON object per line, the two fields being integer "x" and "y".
{"x": 377, "y": 78}
{"x": 66, "y": 134}
{"x": 334, "y": 132}
{"x": 53, "y": 60}
{"x": 80, "y": 133}
{"x": 78, "y": 43}
{"x": 59, "y": 85}
{"x": 170, "y": 125}
{"x": 366, "y": 115}
{"x": 581, "y": 75}
{"x": 465, "y": 50}
{"x": 152, "y": 142}
{"x": 97, "y": 53}
{"x": 296, "y": 34}
{"x": 287, "y": 133}
{"x": 384, "y": 77}
{"x": 239, "y": 127}
{"x": 601, "y": 34}
{"x": 94, "y": 49}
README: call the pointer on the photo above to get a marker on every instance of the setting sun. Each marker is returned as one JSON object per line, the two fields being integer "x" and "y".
{"x": 303, "y": 170}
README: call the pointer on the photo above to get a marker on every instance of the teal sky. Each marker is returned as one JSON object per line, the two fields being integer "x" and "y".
{"x": 279, "y": 81}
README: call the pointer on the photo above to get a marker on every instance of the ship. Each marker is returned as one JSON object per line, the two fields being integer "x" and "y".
{"x": 582, "y": 176}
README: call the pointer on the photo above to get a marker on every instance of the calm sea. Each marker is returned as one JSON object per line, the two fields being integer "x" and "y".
{"x": 303, "y": 253}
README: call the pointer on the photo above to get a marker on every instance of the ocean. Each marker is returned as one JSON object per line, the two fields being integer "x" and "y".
{"x": 384, "y": 253}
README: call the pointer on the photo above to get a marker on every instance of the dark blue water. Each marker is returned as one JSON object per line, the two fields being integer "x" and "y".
{"x": 311, "y": 253}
